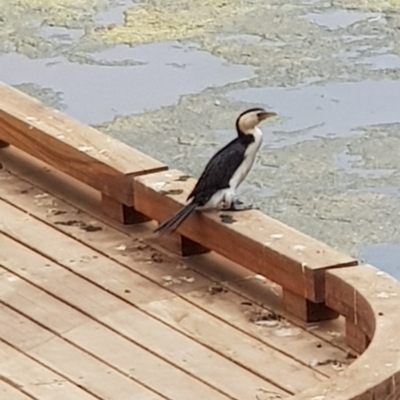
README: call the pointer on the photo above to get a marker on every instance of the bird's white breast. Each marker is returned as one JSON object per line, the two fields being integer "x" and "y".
{"x": 249, "y": 157}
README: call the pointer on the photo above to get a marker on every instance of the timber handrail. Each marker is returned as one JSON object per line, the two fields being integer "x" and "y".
{"x": 318, "y": 281}
{"x": 80, "y": 151}
{"x": 262, "y": 244}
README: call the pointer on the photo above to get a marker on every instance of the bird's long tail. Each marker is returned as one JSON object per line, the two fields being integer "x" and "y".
{"x": 171, "y": 224}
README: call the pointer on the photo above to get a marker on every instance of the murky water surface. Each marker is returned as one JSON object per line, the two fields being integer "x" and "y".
{"x": 177, "y": 90}
{"x": 385, "y": 256}
{"x": 335, "y": 109}
{"x": 337, "y": 19}
{"x": 123, "y": 79}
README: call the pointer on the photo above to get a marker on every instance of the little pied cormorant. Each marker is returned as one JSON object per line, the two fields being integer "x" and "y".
{"x": 225, "y": 171}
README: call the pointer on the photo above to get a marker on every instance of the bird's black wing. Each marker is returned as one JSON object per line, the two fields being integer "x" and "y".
{"x": 218, "y": 171}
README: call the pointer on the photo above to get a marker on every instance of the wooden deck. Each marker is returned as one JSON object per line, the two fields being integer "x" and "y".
{"x": 91, "y": 312}
{"x": 93, "y": 306}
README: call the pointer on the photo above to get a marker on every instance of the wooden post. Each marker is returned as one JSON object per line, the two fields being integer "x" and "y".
{"x": 117, "y": 211}
{"x": 306, "y": 310}
{"x": 181, "y": 245}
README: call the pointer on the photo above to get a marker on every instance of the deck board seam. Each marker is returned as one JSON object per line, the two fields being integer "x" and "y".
{"x": 144, "y": 311}
{"x": 14, "y": 385}
{"x": 121, "y": 230}
{"x": 54, "y": 371}
{"x": 72, "y": 343}
{"x": 126, "y": 337}
{"x": 182, "y": 297}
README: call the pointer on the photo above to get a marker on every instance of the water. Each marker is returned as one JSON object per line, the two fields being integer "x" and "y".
{"x": 385, "y": 256}
{"x": 353, "y": 164}
{"x": 114, "y": 14}
{"x": 160, "y": 74}
{"x": 341, "y": 19}
{"x": 61, "y": 35}
{"x": 384, "y": 61}
{"x": 334, "y": 109}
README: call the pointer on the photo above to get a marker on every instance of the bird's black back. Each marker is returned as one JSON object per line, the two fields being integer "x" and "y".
{"x": 220, "y": 169}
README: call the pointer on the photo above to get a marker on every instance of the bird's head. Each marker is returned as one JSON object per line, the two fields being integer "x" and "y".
{"x": 249, "y": 119}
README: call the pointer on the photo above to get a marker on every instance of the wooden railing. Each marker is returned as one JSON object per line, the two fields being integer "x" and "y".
{"x": 318, "y": 281}
{"x": 76, "y": 149}
{"x": 369, "y": 300}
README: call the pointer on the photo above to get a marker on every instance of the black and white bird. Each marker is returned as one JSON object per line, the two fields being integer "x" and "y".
{"x": 225, "y": 171}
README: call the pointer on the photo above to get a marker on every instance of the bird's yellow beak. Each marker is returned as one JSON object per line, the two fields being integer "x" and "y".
{"x": 266, "y": 114}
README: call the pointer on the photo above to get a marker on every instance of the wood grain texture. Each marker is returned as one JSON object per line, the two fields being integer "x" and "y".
{"x": 75, "y": 365}
{"x": 184, "y": 281}
{"x": 9, "y": 392}
{"x": 369, "y": 298}
{"x": 103, "y": 343}
{"x": 253, "y": 240}
{"x": 355, "y": 337}
{"x": 74, "y": 148}
{"x": 34, "y": 379}
{"x": 165, "y": 324}
{"x": 306, "y": 310}
{"x": 349, "y": 300}
{"x": 161, "y": 304}
{"x": 144, "y": 330}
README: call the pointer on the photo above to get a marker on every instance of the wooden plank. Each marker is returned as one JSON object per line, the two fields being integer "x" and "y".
{"x": 262, "y": 244}
{"x": 168, "y": 344}
{"x": 34, "y": 380}
{"x": 27, "y": 337}
{"x": 105, "y": 344}
{"x": 78, "y": 257}
{"x": 249, "y": 354}
{"x": 78, "y": 150}
{"x": 230, "y": 378}
{"x": 46, "y": 309}
{"x": 306, "y": 310}
{"x": 139, "y": 363}
{"x": 9, "y": 392}
{"x": 77, "y": 366}
{"x": 190, "y": 285}
{"x": 246, "y": 351}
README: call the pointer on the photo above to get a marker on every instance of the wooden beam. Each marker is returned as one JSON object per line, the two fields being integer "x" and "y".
{"x": 120, "y": 212}
{"x": 250, "y": 238}
{"x": 71, "y": 147}
{"x": 306, "y": 310}
{"x": 180, "y": 245}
